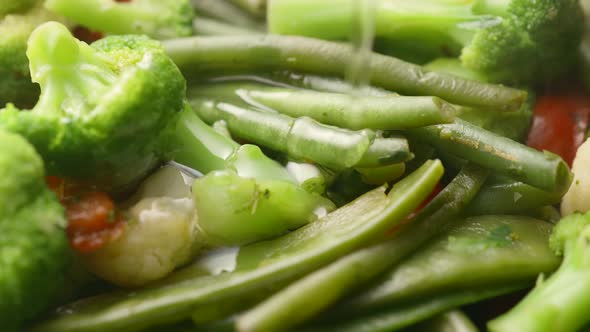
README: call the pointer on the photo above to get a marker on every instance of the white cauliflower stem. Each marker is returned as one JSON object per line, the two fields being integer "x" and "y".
{"x": 577, "y": 199}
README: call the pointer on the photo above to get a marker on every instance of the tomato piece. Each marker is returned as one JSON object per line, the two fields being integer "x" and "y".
{"x": 84, "y": 242}
{"x": 92, "y": 211}
{"x": 86, "y": 35}
{"x": 56, "y": 185}
{"x": 92, "y": 221}
{"x": 559, "y": 124}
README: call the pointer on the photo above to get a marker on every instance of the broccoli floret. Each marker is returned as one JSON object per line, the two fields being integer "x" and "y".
{"x": 33, "y": 245}
{"x": 15, "y": 28}
{"x": 103, "y": 110}
{"x": 560, "y": 303}
{"x": 159, "y": 19}
{"x": 512, "y": 41}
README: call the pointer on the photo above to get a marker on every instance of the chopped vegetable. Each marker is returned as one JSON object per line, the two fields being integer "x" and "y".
{"x": 33, "y": 245}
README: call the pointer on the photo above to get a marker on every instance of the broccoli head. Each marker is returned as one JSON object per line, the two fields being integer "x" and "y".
{"x": 15, "y": 28}
{"x": 33, "y": 245}
{"x": 159, "y": 19}
{"x": 512, "y": 41}
{"x": 560, "y": 303}
{"x": 103, "y": 110}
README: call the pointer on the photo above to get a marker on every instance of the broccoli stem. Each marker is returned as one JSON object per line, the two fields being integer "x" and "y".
{"x": 439, "y": 22}
{"x": 304, "y": 138}
{"x": 222, "y": 55}
{"x": 350, "y": 272}
{"x": 70, "y": 71}
{"x": 342, "y": 110}
{"x": 105, "y": 15}
{"x": 157, "y": 19}
{"x": 544, "y": 170}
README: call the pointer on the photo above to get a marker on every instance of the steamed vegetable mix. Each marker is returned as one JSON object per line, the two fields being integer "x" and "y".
{"x": 236, "y": 165}
{"x": 33, "y": 245}
{"x": 516, "y": 41}
{"x": 260, "y": 266}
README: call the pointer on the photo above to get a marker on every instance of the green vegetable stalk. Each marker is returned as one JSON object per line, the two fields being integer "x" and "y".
{"x": 33, "y": 245}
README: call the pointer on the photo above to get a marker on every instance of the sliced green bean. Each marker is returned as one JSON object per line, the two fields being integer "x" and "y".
{"x": 222, "y": 55}
{"x": 476, "y": 253}
{"x": 274, "y": 262}
{"x": 399, "y": 317}
{"x": 544, "y": 170}
{"x": 292, "y": 305}
{"x": 304, "y": 138}
{"x": 505, "y": 196}
{"x": 380, "y": 175}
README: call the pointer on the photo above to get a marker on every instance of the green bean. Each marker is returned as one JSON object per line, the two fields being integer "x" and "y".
{"x": 304, "y": 138}
{"x": 287, "y": 79}
{"x": 204, "y": 26}
{"x": 291, "y": 305}
{"x": 380, "y": 175}
{"x": 222, "y": 55}
{"x": 399, "y": 317}
{"x": 451, "y": 321}
{"x": 476, "y": 253}
{"x": 505, "y": 196}
{"x": 544, "y": 170}
{"x": 342, "y": 110}
{"x": 273, "y": 262}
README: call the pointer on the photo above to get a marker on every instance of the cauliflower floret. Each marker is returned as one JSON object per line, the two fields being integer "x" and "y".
{"x": 162, "y": 234}
{"x": 577, "y": 199}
